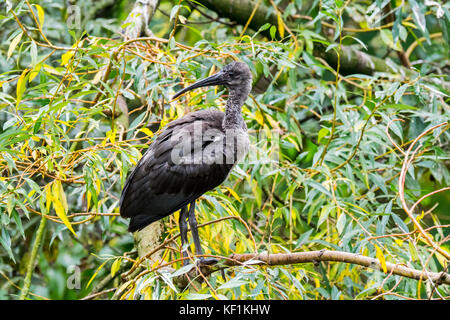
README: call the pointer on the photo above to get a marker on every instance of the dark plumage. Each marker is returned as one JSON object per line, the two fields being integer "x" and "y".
{"x": 192, "y": 155}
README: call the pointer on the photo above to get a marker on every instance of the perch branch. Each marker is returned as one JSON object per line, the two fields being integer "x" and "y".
{"x": 335, "y": 256}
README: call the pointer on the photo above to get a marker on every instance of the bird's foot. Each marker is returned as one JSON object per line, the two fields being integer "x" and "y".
{"x": 207, "y": 261}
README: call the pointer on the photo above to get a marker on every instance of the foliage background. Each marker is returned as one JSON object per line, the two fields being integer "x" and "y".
{"x": 323, "y": 172}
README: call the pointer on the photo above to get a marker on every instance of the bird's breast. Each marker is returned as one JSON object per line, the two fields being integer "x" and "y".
{"x": 212, "y": 147}
{"x": 236, "y": 144}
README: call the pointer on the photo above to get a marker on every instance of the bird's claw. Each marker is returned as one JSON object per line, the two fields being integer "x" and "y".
{"x": 207, "y": 261}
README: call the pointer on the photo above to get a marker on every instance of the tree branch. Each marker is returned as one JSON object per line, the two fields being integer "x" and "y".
{"x": 352, "y": 60}
{"x": 139, "y": 18}
{"x": 336, "y": 256}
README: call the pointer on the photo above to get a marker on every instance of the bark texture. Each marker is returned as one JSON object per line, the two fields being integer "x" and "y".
{"x": 137, "y": 26}
{"x": 139, "y": 18}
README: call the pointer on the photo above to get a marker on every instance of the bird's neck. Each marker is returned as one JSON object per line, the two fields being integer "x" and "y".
{"x": 233, "y": 113}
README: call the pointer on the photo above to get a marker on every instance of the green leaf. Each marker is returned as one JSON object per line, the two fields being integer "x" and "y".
{"x": 418, "y": 16}
{"x": 264, "y": 27}
{"x": 5, "y": 241}
{"x": 273, "y": 32}
{"x": 386, "y": 36}
{"x": 233, "y": 283}
{"x": 174, "y": 11}
{"x": 340, "y": 225}
{"x": 322, "y": 134}
{"x": 33, "y": 54}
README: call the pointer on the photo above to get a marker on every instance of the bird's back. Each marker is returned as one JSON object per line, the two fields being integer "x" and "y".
{"x": 169, "y": 176}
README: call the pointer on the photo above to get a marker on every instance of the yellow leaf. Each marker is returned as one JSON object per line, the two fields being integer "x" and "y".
{"x": 65, "y": 58}
{"x": 259, "y": 117}
{"x": 359, "y": 126}
{"x": 172, "y": 112}
{"x": 354, "y": 205}
{"x": 413, "y": 252}
{"x": 380, "y": 257}
{"x": 409, "y": 24}
{"x": 97, "y": 184}
{"x": 442, "y": 260}
{"x": 14, "y": 44}
{"x": 41, "y": 14}
{"x": 88, "y": 200}
{"x": 95, "y": 273}
{"x": 111, "y": 135}
{"x": 147, "y": 131}
{"x": 234, "y": 194}
{"x": 97, "y": 77}
{"x": 130, "y": 294}
{"x": 21, "y": 86}
{"x": 293, "y": 142}
{"x": 52, "y": 70}
{"x": 24, "y": 146}
{"x": 133, "y": 162}
{"x": 399, "y": 242}
{"x": 115, "y": 266}
{"x": 48, "y": 197}
{"x": 60, "y": 204}
{"x": 62, "y": 196}
{"x": 280, "y": 24}
{"x": 317, "y": 282}
{"x": 421, "y": 216}
{"x": 35, "y": 72}
{"x": 363, "y": 24}
{"x": 31, "y": 193}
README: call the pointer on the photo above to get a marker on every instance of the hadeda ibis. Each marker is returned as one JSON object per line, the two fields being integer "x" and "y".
{"x": 192, "y": 155}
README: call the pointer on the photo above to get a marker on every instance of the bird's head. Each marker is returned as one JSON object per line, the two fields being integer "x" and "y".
{"x": 236, "y": 75}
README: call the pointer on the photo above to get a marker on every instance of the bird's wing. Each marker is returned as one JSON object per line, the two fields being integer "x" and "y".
{"x": 167, "y": 178}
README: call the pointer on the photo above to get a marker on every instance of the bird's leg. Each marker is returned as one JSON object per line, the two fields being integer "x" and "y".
{"x": 194, "y": 230}
{"x": 183, "y": 232}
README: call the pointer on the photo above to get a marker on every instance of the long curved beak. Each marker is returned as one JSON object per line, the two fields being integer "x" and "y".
{"x": 214, "y": 80}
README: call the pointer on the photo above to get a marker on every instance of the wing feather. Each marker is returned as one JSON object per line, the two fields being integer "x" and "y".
{"x": 157, "y": 186}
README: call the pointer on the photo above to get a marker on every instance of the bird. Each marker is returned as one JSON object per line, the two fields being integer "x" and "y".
{"x": 192, "y": 155}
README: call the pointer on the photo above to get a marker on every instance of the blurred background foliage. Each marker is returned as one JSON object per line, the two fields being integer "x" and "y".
{"x": 329, "y": 76}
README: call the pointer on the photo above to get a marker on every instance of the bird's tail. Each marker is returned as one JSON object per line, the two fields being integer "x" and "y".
{"x": 140, "y": 221}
